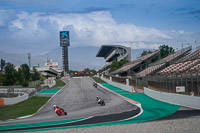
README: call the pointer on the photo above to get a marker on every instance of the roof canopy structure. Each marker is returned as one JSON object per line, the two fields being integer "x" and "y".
{"x": 114, "y": 52}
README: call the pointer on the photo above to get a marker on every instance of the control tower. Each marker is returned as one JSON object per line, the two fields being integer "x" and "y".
{"x": 64, "y": 43}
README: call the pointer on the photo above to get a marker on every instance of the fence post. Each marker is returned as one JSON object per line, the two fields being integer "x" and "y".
{"x": 127, "y": 82}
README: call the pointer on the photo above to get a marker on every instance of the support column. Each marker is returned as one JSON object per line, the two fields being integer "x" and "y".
{"x": 65, "y": 58}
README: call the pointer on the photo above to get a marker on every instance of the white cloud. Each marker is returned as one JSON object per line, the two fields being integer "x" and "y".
{"x": 5, "y": 17}
{"x": 38, "y": 32}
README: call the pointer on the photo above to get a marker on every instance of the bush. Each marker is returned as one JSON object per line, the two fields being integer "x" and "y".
{"x": 25, "y": 83}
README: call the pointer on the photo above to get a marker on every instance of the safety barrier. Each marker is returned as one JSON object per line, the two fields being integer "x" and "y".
{"x": 122, "y": 86}
{"x": 14, "y": 100}
{"x": 177, "y": 99}
{"x": 23, "y": 94}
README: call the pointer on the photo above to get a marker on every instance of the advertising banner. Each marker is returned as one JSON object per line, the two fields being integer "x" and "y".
{"x": 2, "y": 90}
{"x": 180, "y": 88}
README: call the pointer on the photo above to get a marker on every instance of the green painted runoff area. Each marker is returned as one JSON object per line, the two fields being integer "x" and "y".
{"x": 152, "y": 109}
{"x": 49, "y": 91}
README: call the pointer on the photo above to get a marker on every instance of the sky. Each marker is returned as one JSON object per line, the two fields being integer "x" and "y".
{"x": 32, "y": 26}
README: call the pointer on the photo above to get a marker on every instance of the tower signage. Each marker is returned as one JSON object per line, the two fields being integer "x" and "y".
{"x": 64, "y": 38}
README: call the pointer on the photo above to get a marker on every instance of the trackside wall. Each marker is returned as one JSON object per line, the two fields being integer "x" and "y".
{"x": 122, "y": 86}
{"x": 14, "y": 100}
{"x": 183, "y": 100}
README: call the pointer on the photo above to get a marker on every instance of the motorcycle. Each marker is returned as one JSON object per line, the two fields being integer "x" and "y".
{"x": 100, "y": 101}
{"x": 95, "y": 85}
{"x": 60, "y": 111}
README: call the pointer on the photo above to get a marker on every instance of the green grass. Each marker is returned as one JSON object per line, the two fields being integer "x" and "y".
{"x": 27, "y": 107}
{"x": 98, "y": 80}
{"x": 59, "y": 84}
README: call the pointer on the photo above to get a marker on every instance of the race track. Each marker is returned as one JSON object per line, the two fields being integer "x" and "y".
{"x": 78, "y": 98}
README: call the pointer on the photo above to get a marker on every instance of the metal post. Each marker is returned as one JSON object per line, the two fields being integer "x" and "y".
{"x": 29, "y": 59}
{"x": 198, "y": 89}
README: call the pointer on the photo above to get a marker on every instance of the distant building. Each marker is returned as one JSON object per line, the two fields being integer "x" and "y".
{"x": 17, "y": 68}
{"x": 51, "y": 69}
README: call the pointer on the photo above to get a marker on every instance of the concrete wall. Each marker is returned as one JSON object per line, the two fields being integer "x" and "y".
{"x": 50, "y": 82}
{"x": 122, "y": 86}
{"x": 17, "y": 90}
{"x": 183, "y": 100}
{"x": 34, "y": 83}
{"x": 14, "y": 100}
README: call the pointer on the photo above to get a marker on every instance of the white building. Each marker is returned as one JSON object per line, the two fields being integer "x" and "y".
{"x": 51, "y": 69}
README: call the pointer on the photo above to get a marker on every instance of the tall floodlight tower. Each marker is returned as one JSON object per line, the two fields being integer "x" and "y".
{"x": 64, "y": 43}
{"x": 29, "y": 59}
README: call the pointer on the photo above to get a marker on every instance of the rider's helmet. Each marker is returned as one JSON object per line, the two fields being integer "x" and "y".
{"x": 97, "y": 97}
{"x": 54, "y": 106}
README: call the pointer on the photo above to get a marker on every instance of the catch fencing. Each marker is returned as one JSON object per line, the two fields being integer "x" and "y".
{"x": 186, "y": 84}
{"x": 182, "y": 84}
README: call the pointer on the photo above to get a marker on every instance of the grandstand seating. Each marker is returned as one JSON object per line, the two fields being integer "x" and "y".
{"x": 188, "y": 64}
{"x": 182, "y": 67}
{"x": 174, "y": 56}
{"x": 156, "y": 66}
{"x": 192, "y": 56}
{"x": 136, "y": 62}
{"x": 194, "y": 69}
{"x": 149, "y": 70}
{"x": 127, "y": 67}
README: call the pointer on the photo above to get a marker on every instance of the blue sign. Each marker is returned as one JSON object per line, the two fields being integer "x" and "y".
{"x": 64, "y": 38}
{"x": 64, "y": 34}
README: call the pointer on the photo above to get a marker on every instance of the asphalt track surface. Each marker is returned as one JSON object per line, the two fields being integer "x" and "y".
{"x": 78, "y": 98}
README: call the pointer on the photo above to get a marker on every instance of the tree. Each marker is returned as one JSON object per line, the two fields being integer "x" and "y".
{"x": 2, "y": 78}
{"x": 23, "y": 75}
{"x": 86, "y": 70}
{"x": 10, "y": 74}
{"x": 146, "y": 52}
{"x": 165, "y": 50}
{"x": 36, "y": 75}
{"x": 117, "y": 64}
{"x": 3, "y": 62}
{"x": 25, "y": 72}
{"x": 19, "y": 76}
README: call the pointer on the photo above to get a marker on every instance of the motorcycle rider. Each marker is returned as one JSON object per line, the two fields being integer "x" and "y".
{"x": 95, "y": 84}
{"x": 98, "y": 99}
{"x": 58, "y": 110}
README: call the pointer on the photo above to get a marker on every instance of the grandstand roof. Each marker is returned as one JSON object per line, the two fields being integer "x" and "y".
{"x": 108, "y": 51}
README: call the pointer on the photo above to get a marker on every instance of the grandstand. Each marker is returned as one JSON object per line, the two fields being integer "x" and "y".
{"x": 179, "y": 69}
{"x": 113, "y": 53}
{"x": 192, "y": 56}
{"x": 183, "y": 72}
{"x": 137, "y": 65}
{"x": 188, "y": 64}
{"x": 154, "y": 67}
